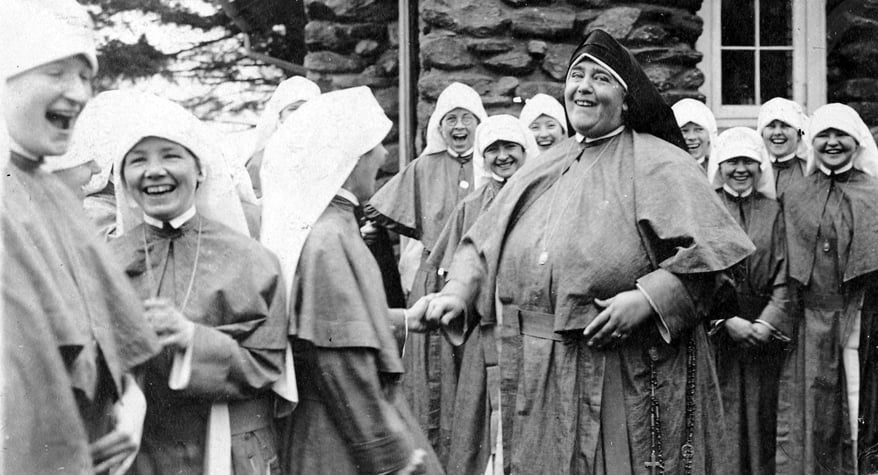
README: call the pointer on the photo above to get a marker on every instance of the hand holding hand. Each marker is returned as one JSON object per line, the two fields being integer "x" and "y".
{"x": 622, "y": 313}
{"x": 761, "y": 333}
{"x": 172, "y": 328}
{"x": 416, "y": 316}
{"x": 369, "y": 231}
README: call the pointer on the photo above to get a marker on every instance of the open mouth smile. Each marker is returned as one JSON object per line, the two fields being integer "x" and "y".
{"x": 158, "y": 190}
{"x": 61, "y": 119}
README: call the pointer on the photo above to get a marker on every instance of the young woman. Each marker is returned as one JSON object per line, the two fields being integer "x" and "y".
{"x": 749, "y": 343}
{"x": 543, "y": 115}
{"x": 212, "y": 295}
{"x": 698, "y": 127}
{"x": 830, "y": 217}
{"x": 782, "y": 126}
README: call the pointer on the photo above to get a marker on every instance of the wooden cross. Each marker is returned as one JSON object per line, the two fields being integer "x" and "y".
{"x": 653, "y": 465}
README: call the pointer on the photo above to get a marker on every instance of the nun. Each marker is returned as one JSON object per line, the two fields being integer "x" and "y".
{"x": 750, "y": 343}
{"x": 352, "y": 417}
{"x": 66, "y": 303}
{"x": 782, "y": 123}
{"x": 416, "y": 203}
{"x": 831, "y": 216}
{"x": 604, "y": 364}
{"x": 543, "y": 115}
{"x": 698, "y": 127}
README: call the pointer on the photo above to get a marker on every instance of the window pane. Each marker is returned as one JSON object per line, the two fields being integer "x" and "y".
{"x": 738, "y": 77}
{"x": 775, "y": 22}
{"x": 738, "y": 23}
{"x": 776, "y": 75}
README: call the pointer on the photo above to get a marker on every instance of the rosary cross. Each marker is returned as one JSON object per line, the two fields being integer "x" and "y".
{"x": 654, "y": 466}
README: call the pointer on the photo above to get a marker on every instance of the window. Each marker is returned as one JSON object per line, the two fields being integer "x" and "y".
{"x": 758, "y": 49}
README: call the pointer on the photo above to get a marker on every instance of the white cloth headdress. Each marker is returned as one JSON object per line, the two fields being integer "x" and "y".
{"x": 689, "y": 110}
{"x": 454, "y": 96}
{"x": 503, "y": 127}
{"x": 741, "y": 142}
{"x": 294, "y": 89}
{"x": 302, "y": 172}
{"x": 216, "y": 197}
{"x": 788, "y": 112}
{"x": 37, "y": 32}
{"x": 844, "y": 118}
{"x": 543, "y": 104}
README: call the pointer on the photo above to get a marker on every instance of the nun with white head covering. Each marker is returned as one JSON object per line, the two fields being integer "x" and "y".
{"x": 544, "y": 116}
{"x": 831, "y": 216}
{"x": 352, "y": 417}
{"x": 698, "y": 126}
{"x": 58, "y": 279}
{"x": 416, "y": 203}
{"x": 749, "y": 343}
{"x": 289, "y": 96}
{"x": 782, "y": 124}
{"x": 214, "y": 297}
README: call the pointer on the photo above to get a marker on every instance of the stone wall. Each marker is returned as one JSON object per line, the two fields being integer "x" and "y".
{"x": 852, "y": 60}
{"x": 510, "y": 50}
{"x": 356, "y": 43}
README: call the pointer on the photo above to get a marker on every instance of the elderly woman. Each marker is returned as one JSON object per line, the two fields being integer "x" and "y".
{"x": 352, "y": 417}
{"x": 831, "y": 216}
{"x": 66, "y": 304}
{"x": 543, "y": 115}
{"x": 698, "y": 127}
{"x": 289, "y": 95}
{"x": 749, "y": 344}
{"x": 417, "y": 203}
{"x": 212, "y": 295}
{"x": 604, "y": 291}
{"x": 782, "y": 125}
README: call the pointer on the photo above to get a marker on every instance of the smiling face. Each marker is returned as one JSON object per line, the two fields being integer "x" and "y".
{"x": 458, "y": 129}
{"x": 547, "y": 131}
{"x": 43, "y": 103}
{"x": 504, "y": 158}
{"x": 781, "y": 139}
{"x": 697, "y": 139}
{"x": 79, "y": 176}
{"x": 740, "y": 173}
{"x": 594, "y": 99}
{"x": 834, "y": 148}
{"x": 162, "y": 177}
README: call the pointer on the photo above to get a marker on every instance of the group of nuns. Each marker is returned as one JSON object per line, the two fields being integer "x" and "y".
{"x": 580, "y": 299}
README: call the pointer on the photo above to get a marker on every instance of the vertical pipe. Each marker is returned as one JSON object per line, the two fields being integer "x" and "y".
{"x": 407, "y": 99}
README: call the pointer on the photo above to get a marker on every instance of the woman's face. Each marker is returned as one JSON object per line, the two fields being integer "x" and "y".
{"x": 162, "y": 176}
{"x": 79, "y": 176}
{"x": 834, "y": 148}
{"x": 740, "y": 173}
{"x": 781, "y": 139}
{"x": 697, "y": 140}
{"x": 547, "y": 131}
{"x": 594, "y": 99}
{"x": 458, "y": 129}
{"x": 43, "y": 103}
{"x": 504, "y": 158}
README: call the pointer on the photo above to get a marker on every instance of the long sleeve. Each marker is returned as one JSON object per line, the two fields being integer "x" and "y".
{"x": 680, "y": 300}
{"x": 349, "y": 385}
{"x": 223, "y": 369}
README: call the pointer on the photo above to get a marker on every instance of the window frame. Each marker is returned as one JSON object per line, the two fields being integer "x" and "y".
{"x": 809, "y": 61}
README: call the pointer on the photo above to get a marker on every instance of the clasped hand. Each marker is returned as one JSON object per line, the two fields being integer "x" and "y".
{"x": 746, "y": 333}
{"x": 171, "y": 327}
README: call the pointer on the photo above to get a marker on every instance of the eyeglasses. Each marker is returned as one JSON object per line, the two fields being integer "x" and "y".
{"x": 452, "y": 120}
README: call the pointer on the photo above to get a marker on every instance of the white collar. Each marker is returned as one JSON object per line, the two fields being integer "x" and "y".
{"x": 829, "y": 172}
{"x": 701, "y": 160}
{"x": 15, "y": 147}
{"x": 175, "y": 223}
{"x": 732, "y": 192}
{"x": 464, "y": 154}
{"x": 346, "y": 194}
{"x": 785, "y": 158}
{"x": 614, "y": 132}
{"x": 498, "y": 178}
